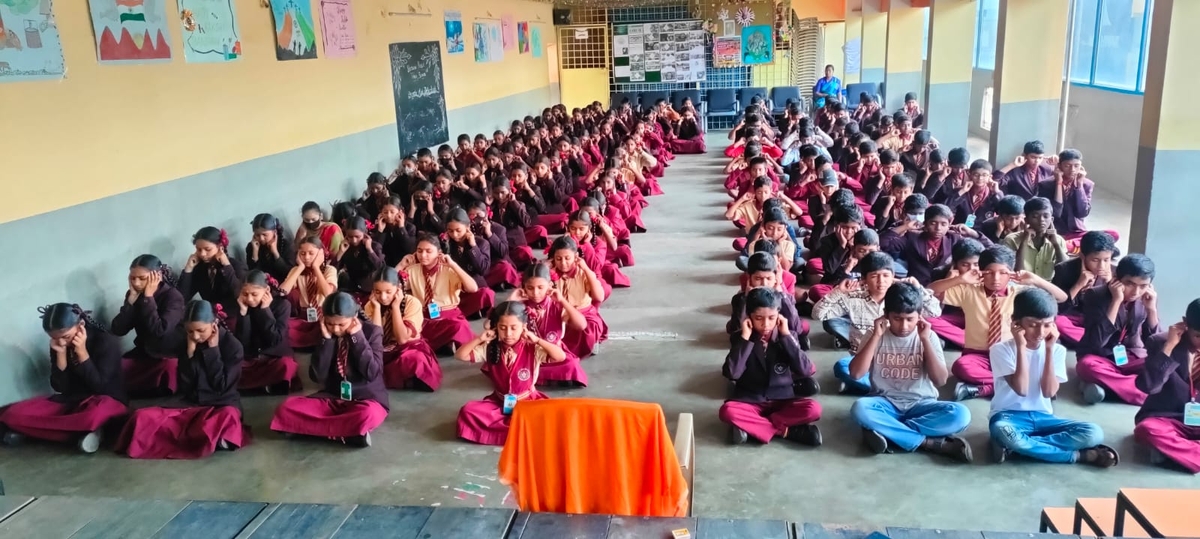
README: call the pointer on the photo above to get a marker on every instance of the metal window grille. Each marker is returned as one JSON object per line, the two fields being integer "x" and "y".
{"x": 591, "y": 52}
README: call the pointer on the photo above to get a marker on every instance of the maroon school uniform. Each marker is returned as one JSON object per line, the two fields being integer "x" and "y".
{"x": 206, "y": 411}
{"x": 1169, "y": 386}
{"x": 357, "y": 358}
{"x": 396, "y": 242}
{"x": 263, "y": 333}
{"x": 1070, "y": 317}
{"x": 1025, "y": 184}
{"x": 149, "y": 368}
{"x": 360, "y": 264}
{"x": 411, "y": 365}
{"x": 214, "y": 283}
{"x": 922, "y": 255}
{"x": 1095, "y": 349}
{"x": 275, "y": 266}
{"x": 764, "y": 372}
{"x": 476, "y": 261}
{"x": 502, "y": 271}
{"x": 88, "y": 394}
{"x": 983, "y": 207}
{"x": 548, "y": 320}
{"x": 515, "y": 371}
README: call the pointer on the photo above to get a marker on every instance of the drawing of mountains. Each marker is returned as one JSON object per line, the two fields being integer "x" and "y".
{"x": 127, "y": 48}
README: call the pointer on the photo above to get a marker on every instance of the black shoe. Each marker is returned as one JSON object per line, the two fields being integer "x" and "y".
{"x": 999, "y": 453}
{"x": 737, "y": 436}
{"x": 840, "y": 343}
{"x": 359, "y": 441}
{"x": 806, "y": 387}
{"x": 223, "y": 445}
{"x": 12, "y": 438}
{"x": 805, "y": 342}
{"x": 954, "y": 447}
{"x": 805, "y": 434}
{"x": 874, "y": 441}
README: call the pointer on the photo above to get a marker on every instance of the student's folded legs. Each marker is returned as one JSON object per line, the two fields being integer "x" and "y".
{"x": 791, "y": 418}
{"x": 1178, "y": 442}
{"x": 909, "y": 430}
{"x": 1044, "y": 437}
{"x": 841, "y": 371}
{"x": 974, "y": 372}
{"x": 1110, "y": 378}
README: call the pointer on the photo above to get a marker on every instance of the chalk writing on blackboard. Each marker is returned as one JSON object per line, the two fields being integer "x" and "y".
{"x": 419, "y": 94}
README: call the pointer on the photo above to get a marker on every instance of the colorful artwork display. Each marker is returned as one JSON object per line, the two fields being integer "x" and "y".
{"x": 758, "y": 44}
{"x": 489, "y": 44}
{"x": 509, "y": 32}
{"x": 727, "y": 52}
{"x": 210, "y": 31}
{"x": 130, "y": 31}
{"x": 535, "y": 40}
{"x": 454, "y": 33}
{"x": 523, "y": 38}
{"x": 295, "y": 38}
{"x": 659, "y": 52}
{"x": 30, "y": 47}
{"x": 337, "y": 29}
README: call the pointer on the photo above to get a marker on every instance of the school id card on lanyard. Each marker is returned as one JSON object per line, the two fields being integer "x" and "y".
{"x": 1191, "y": 410}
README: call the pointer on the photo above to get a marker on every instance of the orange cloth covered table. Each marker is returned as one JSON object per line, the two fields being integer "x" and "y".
{"x": 593, "y": 456}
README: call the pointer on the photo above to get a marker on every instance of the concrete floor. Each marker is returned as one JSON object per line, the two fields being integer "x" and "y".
{"x": 683, "y": 280}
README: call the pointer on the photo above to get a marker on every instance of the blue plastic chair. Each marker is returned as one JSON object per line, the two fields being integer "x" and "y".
{"x": 854, "y": 90}
{"x": 722, "y": 103}
{"x": 780, "y": 96}
{"x": 746, "y": 94}
{"x": 616, "y": 97}
{"x": 649, "y": 98}
{"x": 677, "y": 99}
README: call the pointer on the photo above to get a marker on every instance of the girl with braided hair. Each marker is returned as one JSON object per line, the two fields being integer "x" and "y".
{"x": 408, "y": 361}
{"x": 306, "y": 287}
{"x": 550, "y": 316}
{"x": 260, "y": 323}
{"x": 210, "y": 272}
{"x": 153, "y": 308}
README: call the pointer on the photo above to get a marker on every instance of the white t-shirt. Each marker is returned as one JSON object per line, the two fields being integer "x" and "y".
{"x": 898, "y": 370}
{"x": 1004, "y": 362}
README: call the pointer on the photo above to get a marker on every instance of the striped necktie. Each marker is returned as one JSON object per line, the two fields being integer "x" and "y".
{"x": 1195, "y": 372}
{"x": 995, "y": 321}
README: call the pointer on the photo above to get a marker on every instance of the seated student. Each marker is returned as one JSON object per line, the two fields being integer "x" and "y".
{"x": 580, "y": 286}
{"x": 912, "y": 109}
{"x": 986, "y": 298}
{"x": 85, "y": 375}
{"x": 1093, "y": 268}
{"x": 762, "y": 271}
{"x": 917, "y": 156}
{"x": 764, "y": 362}
{"x": 439, "y": 282}
{"x": 818, "y": 206}
{"x": 474, "y": 259}
{"x": 980, "y": 201}
{"x": 689, "y": 134}
{"x": 502, "y": 273}
{"x": 374, "y": 196}
{"x": 956, "y": 182}
{"x": 550, "y": 315}
{"x": 618, "y": 249}
{"x": 900, "y": 138}
{"x": 206, "y": 413}
{"x": 513, "y": 215}
{"x": 1009, "y": 219}
{"x": 152, "y": 308}
{"x": 408, "y": 361}
{"x": 270, "y": 250}
{"x": 306, "y": 287}
{"x": 865, "y": 167}
{"x": 1029, "y": 367}
{"x": 746, "y": 211}
{"x": 964, "y": 258}
{"x": 786, "y": 279}
{"x": 595, "y": 247}
{"x": 512, "y": 356}
{"x": 210, "y": 273}
{"x": 1117, "y": 320}
{"x": 348, "y": 365}
{"x": 1170, "y": 379}
{"x": 1031, "y": 177}
{"x": 922, "y": 246}
{"x": 905, "y": 364}
{"x": 865, "y": 242}
{"x": 556, "y": 193}
{"x": 1072, "y": 198}
{"x": 889, "y": 210}
{"x": 830, "y": 252}
{"x": 1039, "y": 248}
{"x": 395, "y": 235}
{"x": 422, "y": 212}
{"x": 260, "y": 323}
{"x": 359, "y": 259}
{"x": 742, "y": 177}
{"x": 889, "y": 167}
{"x": 313, "y": 224}
{"x": 931, "y": 178}
{"x": 627, "y": 210}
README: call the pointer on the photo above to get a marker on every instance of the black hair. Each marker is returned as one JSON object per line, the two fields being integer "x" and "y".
{"x": 773, "y": 216}
{"x": 900, "y": 117}
{"x": 921, "y": 137}
{"x": 866, "y": 236}
{"x": 202, "y": 311}
{"x": 998, "y": 254}
{"x": 903, "y": 298}
{"x": 431, "y": 239}
{"x": 507, "y": 308}
{"x": 762, "y": 298}
{"x": 876, "y": 261}
{"x": 537, "y": 270}
{"x": 915, "y": 203}
{"x": 564, "y": 242}
{"x": 1037, "y": 204}
{"x": 766, "y": 245}
{"x": 935, "y": 156}
{"x": 1010, "y": 205}
{"x": 759, "y": 262}
{"x": 153, "y": 263}
{"x": 842, "y": 197}
{"x": 888, "y": 157}
{"x": 266, "y": 221}
{"x": 213, "y": 235}
{"x": 958, "y": 157}
{"x": 376, "y": 178}
{"x": 458, "y": 215}
{"x": 1070, "y": 154}
{"x": 311, "y": 206}
{"x": 343, "y": 212}
{"x": 340, "y": 304}
{"x": 867, "y": 147}
{"x": 848, "y": 214}
{"x": 901, "y": 181}
{"x": 809, "y": 150}
{"x": 1135, "y": 265}
{"x": 357, "y": 223}
{"x": 261, "y": 279}
{"x": 1034, "y": 147}
{"x": 60, "y": 316}
{"x": 1095, "y": 241}
{"x": 910, "y": 96}
{"x": 1192, "y": 315}
{"x": 980, "y": 164}
{"x": 964, "y": 249}
{"x": 938, "y": 210}
{"x": 1034, "y": 303}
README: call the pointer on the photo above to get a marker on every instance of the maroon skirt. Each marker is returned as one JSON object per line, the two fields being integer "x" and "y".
{"x": 613, "y": 275}
{"x": 150, "y": 375}
{"x": 484, "y": 422}
{"x": 181, "y": 433}
{"x": 324, "y": 416}
{"x": 692, "y": 145}
{"x": 582, "y": 343}
{"x": 536, "y": 235}
{"x": 409, "y": 363}
{"x": 567, "y": 370}
{"x": 522, "y": 256}
{"x": 503, "y": 272}
{"x": 45, "y": 419}
{"x": 450, "y": 327}
{"x": 621, "y": 256}
{"x": 554, "y": 223}
{"x": 262, "y": 372}
{"x": 303, "y": 334}
{"x": 478, "y": 302}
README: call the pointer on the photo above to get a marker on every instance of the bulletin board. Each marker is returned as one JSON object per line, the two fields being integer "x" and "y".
{"x": 659, "y": 52}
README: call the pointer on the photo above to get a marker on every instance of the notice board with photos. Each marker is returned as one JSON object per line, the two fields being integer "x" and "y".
{"x": 659, "y": 52}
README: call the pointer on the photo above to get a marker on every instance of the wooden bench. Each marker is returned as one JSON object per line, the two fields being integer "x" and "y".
{"x": 1056, "y": 519}
{"x": 1099, "y": 515}
{"x": 1157, "y": 512}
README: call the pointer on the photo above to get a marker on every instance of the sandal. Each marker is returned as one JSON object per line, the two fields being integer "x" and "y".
{"x": 1105, "y": 457}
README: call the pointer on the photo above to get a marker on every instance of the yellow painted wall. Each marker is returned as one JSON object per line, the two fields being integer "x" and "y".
{"x": 951, "y": 26}
{"x": 874, "y": 39}
{"x": 853, "y": 32}
{"x": 905, "y": 35}
{"x": 1170, "y": 120}
{"x": 1031, "y": 29}
{"x": 105, "y": 130}
{"x": 831, "y": 46}
{"x": 581, "y": 87}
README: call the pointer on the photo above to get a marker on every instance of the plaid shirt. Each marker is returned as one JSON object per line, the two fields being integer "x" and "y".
{"x": 863, "y": 311}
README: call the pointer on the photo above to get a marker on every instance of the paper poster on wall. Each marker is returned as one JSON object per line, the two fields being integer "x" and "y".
{"x": 130, "y": 31}
{"x": 337, "y": 29}
{"x": 853, "y": 53}
{"x": 727, "y": 52}
{"x": 535, "y": 40}
{"x": 489, "y": 45}
{"x": 30, "y": 48}
{"x": 295, "y": 38}
{"x": 210, "y": 31}
{"x": 510, "y": 32}
{"x": 659, "y": 52}
{"x": 523, "y": 38}
{"x": 454, "y": 33}
{"x": 758, "y": 45}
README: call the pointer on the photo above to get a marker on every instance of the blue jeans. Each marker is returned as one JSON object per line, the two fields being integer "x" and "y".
{"x": 907, "y": 429}
{"x": 1043, "y": 436}
{"x": 838, "y": 327}
{"x": 841, "y": 371}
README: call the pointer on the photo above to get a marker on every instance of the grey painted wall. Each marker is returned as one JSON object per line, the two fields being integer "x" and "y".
{"x": 873, "y": 74}
{"x": 898, "y": 84}
{"x": 81, "y": 254}
{"x": 1106, "y": 126}
{"x": 946, "y": 118}
{"x": 981, "y": 80}
{"x": 1163, "y": 215}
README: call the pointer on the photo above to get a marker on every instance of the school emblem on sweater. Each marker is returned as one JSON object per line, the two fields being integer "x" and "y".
{"x": 523, "y": 375}
{"x": 781, "y": 368}
{"x": 552, "y": 336}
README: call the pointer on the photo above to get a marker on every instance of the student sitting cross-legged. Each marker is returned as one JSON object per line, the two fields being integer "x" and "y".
{"x": 764, "y": 361}
{"x": 1167, "y": 422}
{"x": 906, "y": 366}
{"x": 1028, "y": 370}
{"x": 1117, "y": 321}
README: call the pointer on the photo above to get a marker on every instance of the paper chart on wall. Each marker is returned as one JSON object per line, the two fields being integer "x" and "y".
{"x": 489, "y": 45}
{"x": 337, "y": 29}
{"x": 454, "y": 33}
{"x": 210, "y": 31}
{"x": 30, "y": 47}
{"x": 522, "y": 37}
{"x": 295, "y": 37}
{"x": 659, "y": 52}
{"x": 535, "y": 38}
{"x": 130, "y": 31}
{"x": 509, "y": 30}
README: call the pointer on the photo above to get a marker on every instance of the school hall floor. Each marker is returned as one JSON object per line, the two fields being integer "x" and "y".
{"x": 678, "y": 306}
